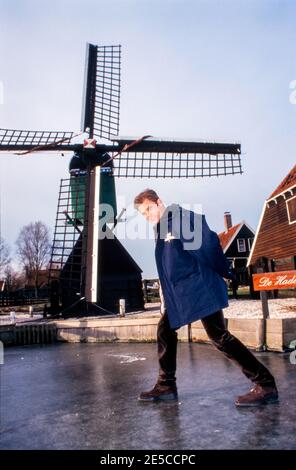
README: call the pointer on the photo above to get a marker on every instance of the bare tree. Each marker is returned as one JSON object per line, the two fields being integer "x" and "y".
{"x": 13, "y": 279}
{"x": 4, "y": 256}
{"x": 33, "y": 249}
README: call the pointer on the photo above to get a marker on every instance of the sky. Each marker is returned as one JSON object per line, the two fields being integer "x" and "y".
{"x": 191, "y": 69}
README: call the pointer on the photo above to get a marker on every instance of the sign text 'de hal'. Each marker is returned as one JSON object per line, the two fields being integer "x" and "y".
{"x": 276, "y": 280}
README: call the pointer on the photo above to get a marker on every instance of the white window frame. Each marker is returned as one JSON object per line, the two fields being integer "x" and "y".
{"x": 287, "y": 206}
{"x": 238, "y": 247}
{"x": 249, "y": 244}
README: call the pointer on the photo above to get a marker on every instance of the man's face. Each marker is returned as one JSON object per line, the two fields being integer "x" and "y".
{"x": 150, "y": 210}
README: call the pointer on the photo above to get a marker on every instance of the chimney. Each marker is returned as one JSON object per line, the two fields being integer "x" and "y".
{"x": 227, "y": 221}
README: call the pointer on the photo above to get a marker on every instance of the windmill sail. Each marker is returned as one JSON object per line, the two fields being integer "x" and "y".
{"x": 14, "y": 140}
{"x": 164, "y": 158}
{"x": 101, "y": 95}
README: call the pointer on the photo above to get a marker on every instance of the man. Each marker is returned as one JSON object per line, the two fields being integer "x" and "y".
{"x": 191, "y": 266}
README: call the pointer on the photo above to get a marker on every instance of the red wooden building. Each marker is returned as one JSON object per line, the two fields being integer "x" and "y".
{"x": 274, "y": 247}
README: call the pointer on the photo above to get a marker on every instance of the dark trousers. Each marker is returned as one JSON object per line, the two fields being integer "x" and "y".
{"x": 228, "y": 344}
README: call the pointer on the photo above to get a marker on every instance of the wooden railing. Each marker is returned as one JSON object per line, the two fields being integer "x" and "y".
{"x": 17, "y": 301}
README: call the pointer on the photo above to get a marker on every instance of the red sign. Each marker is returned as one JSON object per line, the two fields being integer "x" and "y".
{"x": 277, "y": 280}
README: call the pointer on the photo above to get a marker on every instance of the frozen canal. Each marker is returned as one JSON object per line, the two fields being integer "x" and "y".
{"x": 84, "y": 396}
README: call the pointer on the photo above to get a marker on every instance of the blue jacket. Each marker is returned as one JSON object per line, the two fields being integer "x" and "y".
{"x": 191, "y": 266}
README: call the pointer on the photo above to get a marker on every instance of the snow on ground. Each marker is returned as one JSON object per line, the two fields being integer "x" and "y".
{"x": 244, "y": 308}
{"x": 278, "y": 308}
{"x": 6, "y": 319}
{"x": 238, "y": 308}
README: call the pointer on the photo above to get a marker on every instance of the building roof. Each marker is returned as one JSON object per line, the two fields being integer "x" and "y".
{"x": 225, "y": 237}
{"x": 288, "y": 182}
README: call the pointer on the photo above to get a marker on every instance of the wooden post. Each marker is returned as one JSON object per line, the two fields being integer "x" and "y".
{"x": 1, "y": 353}
{"x": 254, "y": 294}
{"x": 91, "y": 280}
{"x": 265, "y": 314}
{"x": 144, "y": 284}
{"x": 122, "y": 307}
{"x": 189, "y": 333}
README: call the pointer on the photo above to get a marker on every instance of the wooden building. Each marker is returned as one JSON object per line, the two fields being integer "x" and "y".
{"x": 274, "y": 247}
{"x": 236, "y": 241}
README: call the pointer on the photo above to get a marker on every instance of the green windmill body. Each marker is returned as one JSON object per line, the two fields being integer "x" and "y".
{"x": 78, "y": 188}
{"x": 107, "y": 192}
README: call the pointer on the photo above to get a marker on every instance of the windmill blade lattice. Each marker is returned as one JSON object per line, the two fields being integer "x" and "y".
{"x": 65, "y": 260}
{"x": 177, "y": 159}
{"x": 101, "y": 102}
{"x": 12, "y": 139}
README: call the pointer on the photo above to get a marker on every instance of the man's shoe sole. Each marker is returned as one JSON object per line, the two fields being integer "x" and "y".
{"x": 265, "y": 401}
{"x": 163, "y": 397}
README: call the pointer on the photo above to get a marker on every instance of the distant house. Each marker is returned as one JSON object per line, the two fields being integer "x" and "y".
{"x": 274, "y": 247}
{"x": 236, "y": 241}
{"x": 42, "y": 280}
{"x": 28, "y": 288}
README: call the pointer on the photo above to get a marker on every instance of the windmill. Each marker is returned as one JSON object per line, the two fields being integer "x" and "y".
{"x": 89, "y": 272}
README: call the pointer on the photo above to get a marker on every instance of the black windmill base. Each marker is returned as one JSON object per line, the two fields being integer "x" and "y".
{"x": 119, "y": 277}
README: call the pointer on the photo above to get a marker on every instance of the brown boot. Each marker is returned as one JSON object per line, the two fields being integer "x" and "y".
{"x": 160, "y": 392}
{"x": 258, "y": 395}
